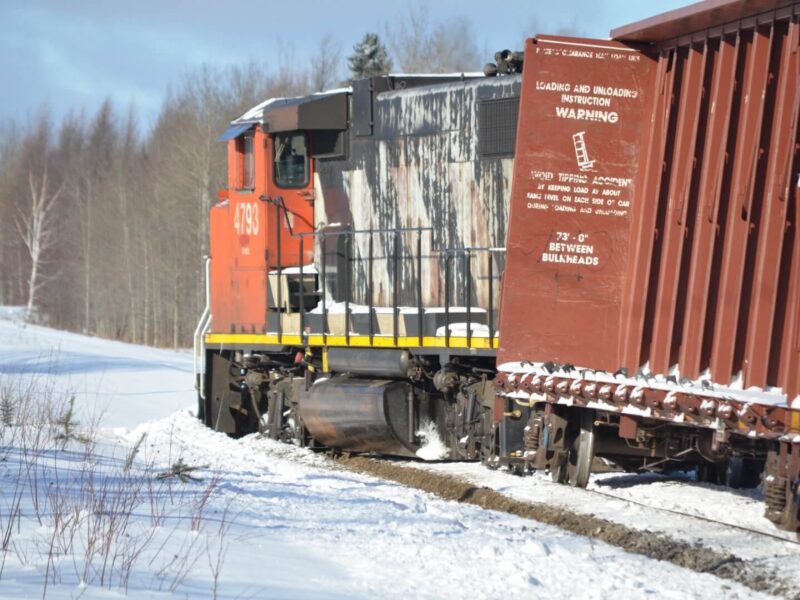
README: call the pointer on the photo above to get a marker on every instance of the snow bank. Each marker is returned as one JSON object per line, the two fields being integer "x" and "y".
{"x": 123, "y": 384}
{"x": 278, "y": 521}
{"x": 433, "y": 447}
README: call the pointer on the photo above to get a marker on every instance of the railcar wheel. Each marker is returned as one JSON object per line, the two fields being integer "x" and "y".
{"x": 582, "y": 453}
{"x": 745, "y": 472}
{"x": 713, "y": 473}
{"x": 559, "y": 467}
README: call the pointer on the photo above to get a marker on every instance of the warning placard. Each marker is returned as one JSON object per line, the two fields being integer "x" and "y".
{"x": 581, "y": 124}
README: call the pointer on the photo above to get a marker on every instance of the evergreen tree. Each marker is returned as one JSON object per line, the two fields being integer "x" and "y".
{"x": 369, "y": 57}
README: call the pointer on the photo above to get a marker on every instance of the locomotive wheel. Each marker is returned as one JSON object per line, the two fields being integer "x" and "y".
{"x": 582, "y": 454}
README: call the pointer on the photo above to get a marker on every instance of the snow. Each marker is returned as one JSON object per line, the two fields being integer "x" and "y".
{"x": 278, "y": 521}
{"x": 432, "y": 447}
{"x": 129, "y": 384}
{"x": 702, "y": 386}
{"x": 468, "y": 80}
{"x": 460, "y": 329}
{"x": 309, "y": 269}
{"x": 13, "y": 313}
{"x": 255, "y": 114}
{"x": 440, "y": 75}
{"x": 334, "y": 308}
{"x": 648, "y": 502}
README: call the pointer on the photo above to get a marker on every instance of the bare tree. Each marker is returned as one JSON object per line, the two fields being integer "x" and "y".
{"x": 534, "y": 26}
{"x": 421, "y": 47}
{"x": 325, "y": 64}
{"x": 409, "y": 40}
{"x": 37, "y": 230}
{"x": 95, "y": 173}
{"x": 112, "y": 218}
{"x": 8, "y": 144}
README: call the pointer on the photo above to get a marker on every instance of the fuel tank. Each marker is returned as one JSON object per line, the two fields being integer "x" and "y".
{"x": 369, "y": 362}
{"x": 361, "y": 415}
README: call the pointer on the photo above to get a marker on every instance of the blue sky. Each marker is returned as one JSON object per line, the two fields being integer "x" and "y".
{"x": 74, "y": 53}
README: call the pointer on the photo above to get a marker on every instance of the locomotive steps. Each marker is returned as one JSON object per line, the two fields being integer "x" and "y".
{"x": 690, "y": 555}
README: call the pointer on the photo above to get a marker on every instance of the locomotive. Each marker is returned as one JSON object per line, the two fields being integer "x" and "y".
{"x": 590, "y": 251}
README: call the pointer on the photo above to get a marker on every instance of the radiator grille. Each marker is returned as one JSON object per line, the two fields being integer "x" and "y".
{"x": 497, "y": 127}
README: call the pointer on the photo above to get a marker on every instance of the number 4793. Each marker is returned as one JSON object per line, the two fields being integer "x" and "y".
{"x": 245, "y": 218}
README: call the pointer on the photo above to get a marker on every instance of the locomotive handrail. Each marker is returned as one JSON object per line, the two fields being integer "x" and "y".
{"x": 359, "y": 231}
{"x": 200, "y": 331}
{"x": 466, "y": 252}
{"x": 396, "y": 256}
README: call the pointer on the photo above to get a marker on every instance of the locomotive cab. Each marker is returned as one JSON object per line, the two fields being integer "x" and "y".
{"x": 259, "y": 227}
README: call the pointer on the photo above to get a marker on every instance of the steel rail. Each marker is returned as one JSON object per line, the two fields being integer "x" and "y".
{"x": 774, "y": 536}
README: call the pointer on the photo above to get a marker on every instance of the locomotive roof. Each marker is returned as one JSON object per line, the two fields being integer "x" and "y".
{"x": 481, "y": 80}
{"x": 328, "y": 110}
{"x": 696, "y": 17}
{"x": 323, "y": 109}
{"x": 255, "y": 114}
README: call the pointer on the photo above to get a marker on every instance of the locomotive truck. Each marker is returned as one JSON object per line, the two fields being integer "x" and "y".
{"x": 591, "y": 251}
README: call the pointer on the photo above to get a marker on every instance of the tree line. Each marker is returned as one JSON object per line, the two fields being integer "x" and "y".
{"x": 105, "y": 221}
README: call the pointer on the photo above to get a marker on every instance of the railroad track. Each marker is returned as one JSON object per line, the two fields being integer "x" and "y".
{"x": 696, "y": 556}
{"x": 697, "y": 517}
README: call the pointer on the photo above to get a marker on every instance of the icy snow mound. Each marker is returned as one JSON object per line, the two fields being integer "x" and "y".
{"x": 433, "y": 447}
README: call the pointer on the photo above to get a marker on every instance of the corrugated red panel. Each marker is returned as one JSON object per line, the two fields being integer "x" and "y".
{"x": 721, "y": 266}
{"x": 700, "y": 16}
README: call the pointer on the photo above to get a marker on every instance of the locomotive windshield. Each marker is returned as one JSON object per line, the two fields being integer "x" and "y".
{"x": 291, "y": 160}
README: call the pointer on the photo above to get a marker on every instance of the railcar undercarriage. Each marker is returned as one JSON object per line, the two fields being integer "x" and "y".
{"x": 446, "y": 406}
{"x": 570, "y": 421}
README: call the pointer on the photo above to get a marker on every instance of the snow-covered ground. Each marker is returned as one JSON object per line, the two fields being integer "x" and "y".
{"x": 656, "y": 503}
{"x": 267, "y": 520}
{"x": 121, "y": 384}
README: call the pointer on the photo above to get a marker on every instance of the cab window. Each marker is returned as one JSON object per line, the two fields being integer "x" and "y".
{"x": 291, "y": 160}
{"x": 245, "y": 172}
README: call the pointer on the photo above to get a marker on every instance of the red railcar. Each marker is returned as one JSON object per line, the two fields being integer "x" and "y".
{"x": 654, "y": 248}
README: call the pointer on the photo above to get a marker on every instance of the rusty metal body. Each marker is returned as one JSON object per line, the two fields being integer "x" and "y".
{"x": 717, "y": 229}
